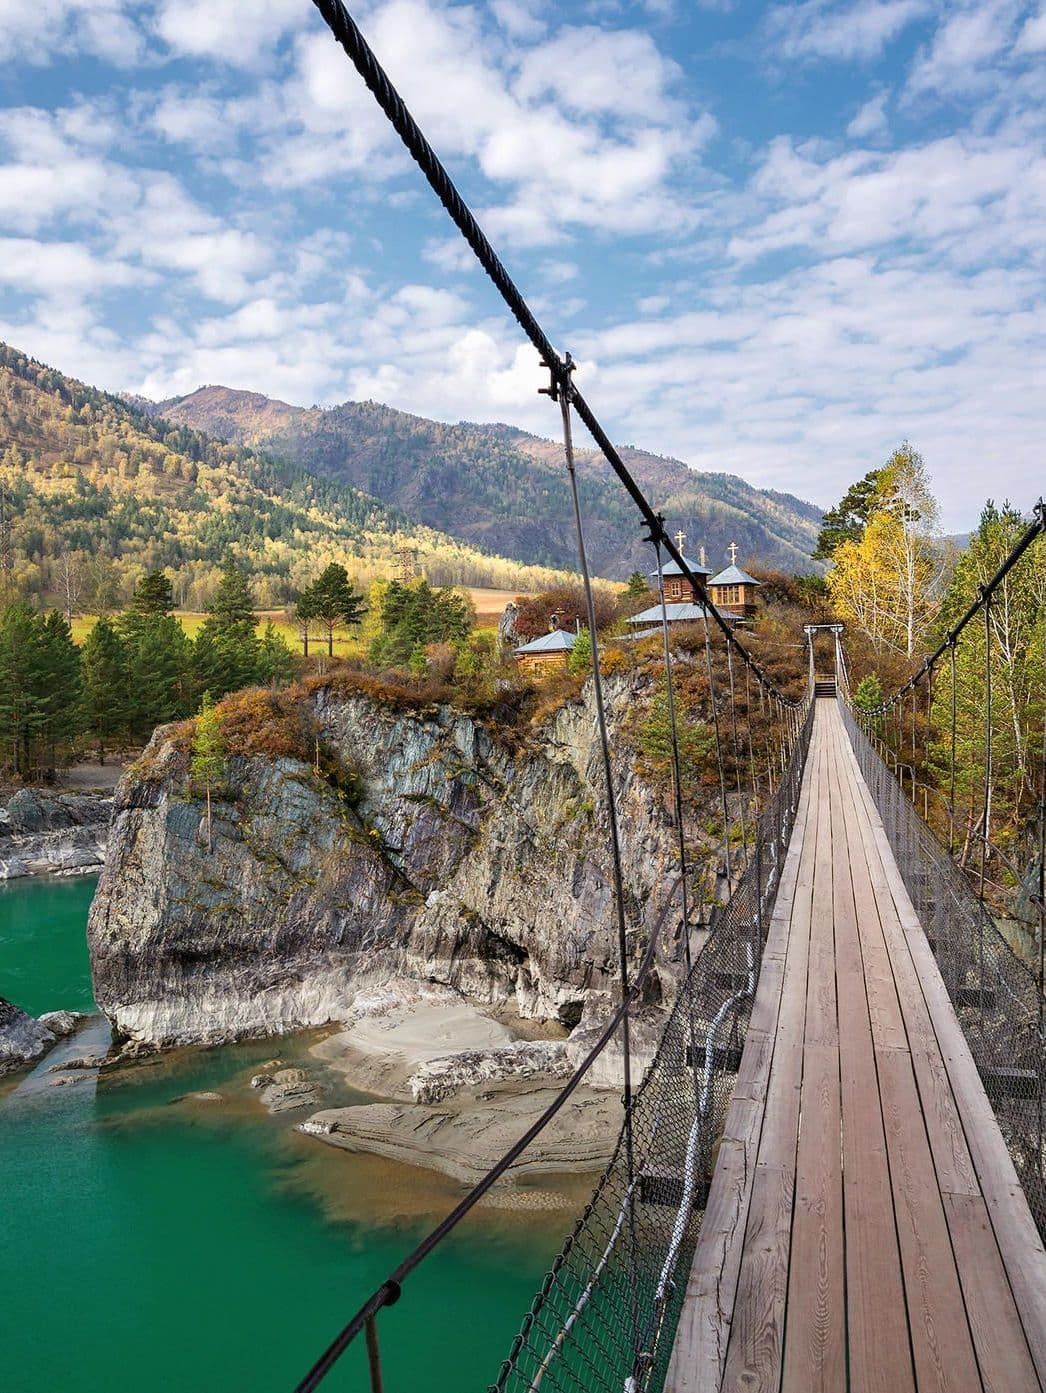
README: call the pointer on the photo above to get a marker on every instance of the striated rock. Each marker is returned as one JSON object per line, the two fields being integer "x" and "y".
{"x": 52, "y": 834}
{"x": 22, "y": 1039}
{"x": 437, "y": 1079}
{"x": 61, "y": 1023}
{"x": 465, "y": 1143}
{"x": 286, "y": 1097}
{"x": 456, "y": 859}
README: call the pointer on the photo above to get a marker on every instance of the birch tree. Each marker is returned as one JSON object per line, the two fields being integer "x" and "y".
{"x": 889, "y": 580}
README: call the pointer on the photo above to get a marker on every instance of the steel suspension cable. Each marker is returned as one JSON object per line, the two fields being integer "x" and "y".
{"x": 718, "y": 756}
{"x": 564, "y": 393}
{"x": 985, "y": 829}
{"x": 677, "y": 776}
{"x": 737, "y": 755}
{"x": 753, "y": 768}
{"x": 348, "y": 34}
{"x": 951, "y": 771}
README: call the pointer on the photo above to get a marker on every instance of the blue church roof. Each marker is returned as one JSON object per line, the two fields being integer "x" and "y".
{"x": 733, "y": 575}
{"x": 556, "y": 641}
{"x": 671, "y": 568}
{"x": 678, "y": 614}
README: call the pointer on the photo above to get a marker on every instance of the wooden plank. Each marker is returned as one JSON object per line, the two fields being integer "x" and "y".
{"x": 756, "y": 1343}
{"x": 699, "y": 1351}
{"x": 753, "y": 1361}
{"x": 942, "y": 1345}
{"x": 1018, "y": 1239}
{"x": 704, "y": 1322}
{"x": 1002, "y": 1350}
{"x": 955, "y": 1173}
{"x": 815, "y": 1344}
{"x": 822, "y": 1019}
{"x": 951, "y": 1155}
{"x": 1020, "y": 1246}
{"x": 879, "y": 1350}
{"x": 884, "y": 1008}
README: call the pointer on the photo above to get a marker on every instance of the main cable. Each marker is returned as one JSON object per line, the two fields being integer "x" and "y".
{"x": 348, "y": 34}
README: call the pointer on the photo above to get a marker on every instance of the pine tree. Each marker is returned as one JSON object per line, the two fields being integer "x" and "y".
{"x": 24, "y": 705}
{"x": 415, "y": 615}
{"x": 333, "y": 601}
{"x": 105, "y": 675}
{"x": 277, "y": 665}
{"x": 580, "y": 659}
{"x": 848, "y": 519}
{"x": 226, "y": 654}
{"x": 160, "y": 664}
{"x": 153, "y": 594}
{"x": 232, "y": 603}
{"x": 305, "y": 614}
{"x": 63, "y": 687}
{"x": 637, "y": 585}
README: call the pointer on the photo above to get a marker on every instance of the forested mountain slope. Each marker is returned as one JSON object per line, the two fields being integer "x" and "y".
{"x": 503, "y": 489}
{"x": 87, "y": 475}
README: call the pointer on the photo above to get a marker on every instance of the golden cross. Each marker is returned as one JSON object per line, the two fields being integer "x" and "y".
{"x": 680, "y": 539}
{"x": 732, "y": 549}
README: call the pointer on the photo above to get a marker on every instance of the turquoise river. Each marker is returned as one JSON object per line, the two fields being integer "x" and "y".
{"x": 156, "y": 1242}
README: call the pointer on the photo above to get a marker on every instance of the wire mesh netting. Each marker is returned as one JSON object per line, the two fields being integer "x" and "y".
{"x": 995, "y": 995}
{"x": 606, "y": 1314}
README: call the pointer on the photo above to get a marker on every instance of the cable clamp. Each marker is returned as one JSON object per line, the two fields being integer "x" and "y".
{"x": 559, "y": 378}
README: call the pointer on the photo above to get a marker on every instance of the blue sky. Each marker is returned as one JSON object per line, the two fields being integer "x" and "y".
{"x": 779, "y": 238}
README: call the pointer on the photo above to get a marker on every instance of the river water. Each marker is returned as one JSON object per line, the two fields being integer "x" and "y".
{"x": 151, "y": 1242}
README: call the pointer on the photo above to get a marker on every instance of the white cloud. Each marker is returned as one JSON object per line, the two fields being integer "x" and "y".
{"x": 51, "y": 174}
{"x": 38, "y": 31}
{"x": 871, "y": 119}
{"x": 971, "y": 37}
{"x": 60, "y": 269}
{"x": 1032, "y": 37}
{"x": 228, "y": 31}
{"x": 823, "y": 29}
{"x": 958, "y": 199}
{"x": 622, "y": 73}
{"x": 517, "y": 19}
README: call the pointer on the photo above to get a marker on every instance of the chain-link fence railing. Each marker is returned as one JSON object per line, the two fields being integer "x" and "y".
{"x": 995, "y": 995}
{"x": 606, "y": 1314}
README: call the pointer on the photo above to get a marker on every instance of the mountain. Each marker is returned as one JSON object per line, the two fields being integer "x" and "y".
{"x": 500, "y": 488}
{"x": 92, "y": 482}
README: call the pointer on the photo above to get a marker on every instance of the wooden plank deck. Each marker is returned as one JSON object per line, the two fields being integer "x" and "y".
{"x": 865, "y": 1232}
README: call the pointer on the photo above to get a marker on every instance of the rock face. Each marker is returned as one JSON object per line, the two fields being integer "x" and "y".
{"x": 45, "y": 833}
{"x": 23, "y": 1039}
{"x": 456, "y": 860}
{"x": 466, "y": 1143}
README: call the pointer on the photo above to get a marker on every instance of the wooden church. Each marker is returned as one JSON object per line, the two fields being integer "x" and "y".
{"x": 733, "y": 588}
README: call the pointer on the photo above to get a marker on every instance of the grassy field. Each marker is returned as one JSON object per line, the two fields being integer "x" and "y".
{"x": 489, "y": 605}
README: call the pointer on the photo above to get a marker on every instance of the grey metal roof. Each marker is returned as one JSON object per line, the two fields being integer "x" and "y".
{"x": 733, "y": 575}
{"x": 556, "y": 641}
{"x": 670, "y": 568}
{"x": 686, "y": 614}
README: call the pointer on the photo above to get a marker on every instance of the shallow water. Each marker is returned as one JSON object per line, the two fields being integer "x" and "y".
{"x": 160, "y": 1243}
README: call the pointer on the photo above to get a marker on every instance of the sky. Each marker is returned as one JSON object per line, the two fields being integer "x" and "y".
{"x": 778, "y": 238}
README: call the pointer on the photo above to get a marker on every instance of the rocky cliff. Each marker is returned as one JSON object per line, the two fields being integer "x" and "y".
{"x": 441, "y": 851}
{"x": 42, "y": 834}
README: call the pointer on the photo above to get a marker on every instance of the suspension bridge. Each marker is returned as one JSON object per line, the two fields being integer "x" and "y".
{"x": 832, "y": 1175}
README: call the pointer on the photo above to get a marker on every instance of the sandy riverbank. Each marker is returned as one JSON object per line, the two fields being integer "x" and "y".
{"x": 464, "y": 1086}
